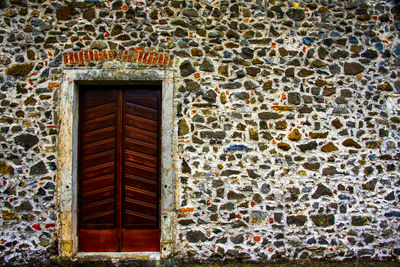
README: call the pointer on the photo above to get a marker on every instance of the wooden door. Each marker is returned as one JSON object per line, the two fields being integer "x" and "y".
{"x": 119, "y": 148}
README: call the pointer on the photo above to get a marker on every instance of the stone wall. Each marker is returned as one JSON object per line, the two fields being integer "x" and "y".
{"x": 287, "y": 116}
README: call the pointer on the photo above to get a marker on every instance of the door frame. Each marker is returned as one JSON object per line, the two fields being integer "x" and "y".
{"x": 67, "y": 159}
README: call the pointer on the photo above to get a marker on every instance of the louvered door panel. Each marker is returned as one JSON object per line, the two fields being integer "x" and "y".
{"x": 141, "y": 170}
{"x": 97, "y": 170}
{"x": 119, "y": 168}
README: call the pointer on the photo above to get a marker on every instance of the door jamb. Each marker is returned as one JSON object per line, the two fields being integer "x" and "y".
{"x": 67, "y": 145}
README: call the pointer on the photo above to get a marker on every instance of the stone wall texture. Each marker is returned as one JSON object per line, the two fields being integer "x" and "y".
{"x": 287, "y": 115}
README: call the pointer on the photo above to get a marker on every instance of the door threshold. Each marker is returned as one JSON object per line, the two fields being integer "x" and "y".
{"x": 139, "y": 255}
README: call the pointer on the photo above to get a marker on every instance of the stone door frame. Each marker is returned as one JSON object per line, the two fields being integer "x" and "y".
{"x": 67, "y": 157}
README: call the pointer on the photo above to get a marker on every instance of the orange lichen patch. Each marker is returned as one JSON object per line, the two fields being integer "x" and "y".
{"x": 245, "y": 20}
{"x": 186, "y": 209}
{"x": 256, "y": 238}
{"x": 54, "y": 85}
{"x": 283, "y": 96}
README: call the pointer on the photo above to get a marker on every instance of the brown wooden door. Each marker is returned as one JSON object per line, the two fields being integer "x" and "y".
{"x": 119, "y": 148}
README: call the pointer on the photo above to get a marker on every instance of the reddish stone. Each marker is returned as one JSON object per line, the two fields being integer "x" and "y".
{"x": 71, "y": 58}
{"x": 160, "y": 59}
{"x": 91, "y": 56}
{"x": 37, "y": 227}
{"x": 140, "y": 58}
{"x": 76, "y": 57}
{"x": 171, "y": 61}
{"x": 145, "y": 58}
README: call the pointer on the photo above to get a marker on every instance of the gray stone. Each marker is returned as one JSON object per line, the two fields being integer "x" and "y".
{"x": 186, "y": 222}
{"x": 183, "y": 127}
{"x": 296, "y": 14}
{"x": 370, "y": 185}
{"x": 247, "y": 53}
{"x": 235, "y": 196}
{"x": 195, "y": 236}
{"x": 192, "y": 85}
{"x": 309, "y": 146}
{"x": 100, "y": 45}
{"x": 265, "y": 188}
{"x": 24, "y": 206}
{"x": 26, "y": 140}
{"x": 237, "y": 239}
{"x": 249, "y": 85}
{"x": 229, "y": 172}
{"x": 3, "y": 3}
{"x": 190, "y": 13}
{"x": 329, "y": 171}
{"x": 19, "y": 2}
{"x": 334, "y": 69}
{"x": 323, "y": 220}
{"x": 186, "y": 68}
{"x": 253, "y": 174}
{"x": 231, "y": 85}
{"x": 298, "y": 220}
{"x": 360, "y": 220}
{"x": 294, "y": 98}
{"x": 232, "y": 34}
{"x": 213, "y": 134}
{"x": 269, "y": 115}
{"x": 368, "y": 238}
{"x": 179, "y": 32}
{"x": 207, "y": 65}
{"x": 353, "y": 68}
{"x": 322, "y": 190}
{"x": 210, "y": 96}
{"x": 20, "y": 69}
{"x": 38, "y": 169}
{"x": 311, "y": 166}
{"x": 185, "y": 167}
{"x": 227, "y": 206}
